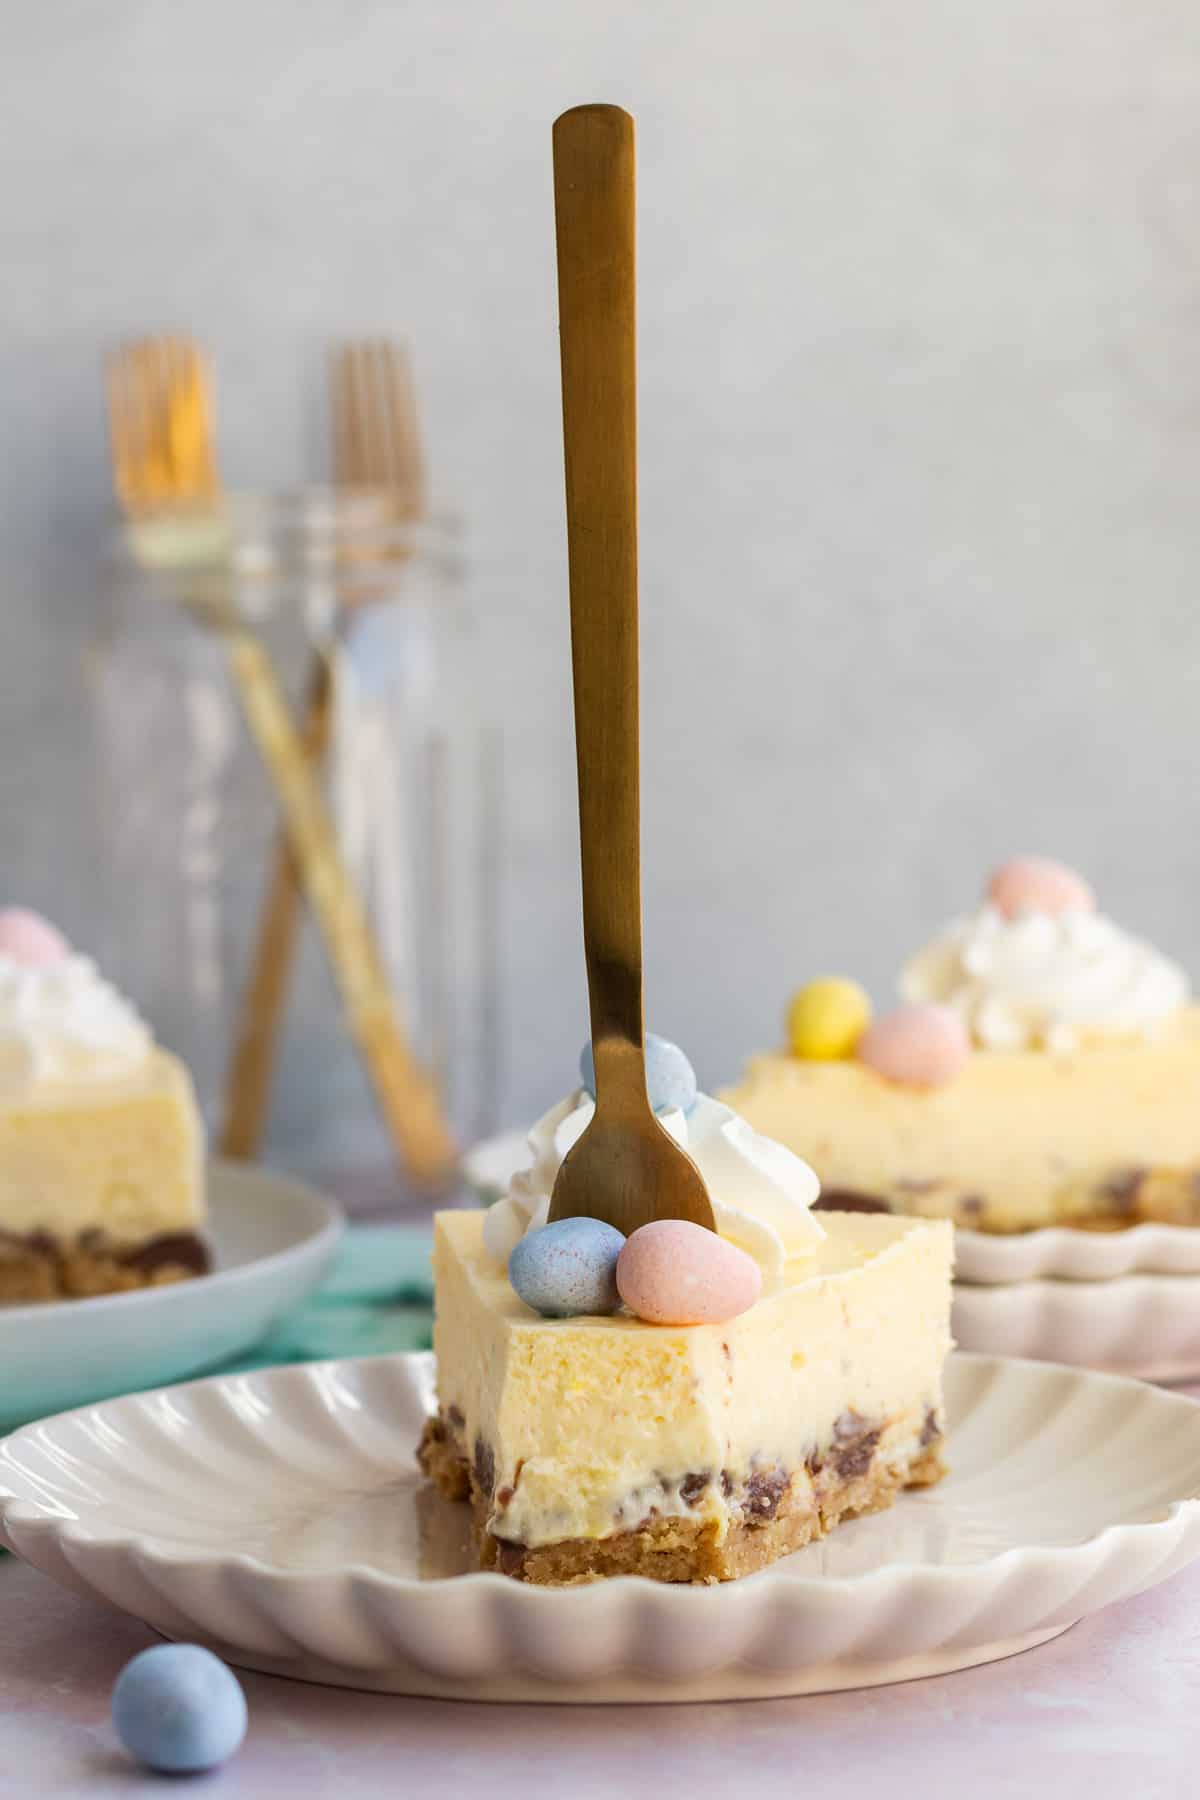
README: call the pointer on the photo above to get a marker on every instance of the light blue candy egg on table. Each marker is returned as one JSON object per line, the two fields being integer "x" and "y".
{"x": 178, "y": 1709}
{"x": 568, "y": 1268}
{"x": 670, "y": 1077}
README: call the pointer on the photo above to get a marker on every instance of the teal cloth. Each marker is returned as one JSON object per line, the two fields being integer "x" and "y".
{"x": 377, "y": 1297}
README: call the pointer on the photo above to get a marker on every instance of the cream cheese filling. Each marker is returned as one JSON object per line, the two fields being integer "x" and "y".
{"x": 582, "y": 1426}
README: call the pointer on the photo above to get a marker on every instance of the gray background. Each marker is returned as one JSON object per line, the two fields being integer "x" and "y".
{"x": 920, "y": 424}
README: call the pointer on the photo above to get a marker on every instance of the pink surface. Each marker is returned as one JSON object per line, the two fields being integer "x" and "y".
{"x": 1109, "y": 1710}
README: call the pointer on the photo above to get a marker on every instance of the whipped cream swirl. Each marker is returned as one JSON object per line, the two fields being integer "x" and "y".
{"x": 64, "y": 1022}
{"x": 761, "y": 1193}
{"x": 1045, "y": 982}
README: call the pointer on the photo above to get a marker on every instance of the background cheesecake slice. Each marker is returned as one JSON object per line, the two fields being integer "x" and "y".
{"x": 604, "y": 1445}
{"x": 1044, "y": 1070}
{"x": 1102, "y": 1135}
{"x": 101, "y": 1145}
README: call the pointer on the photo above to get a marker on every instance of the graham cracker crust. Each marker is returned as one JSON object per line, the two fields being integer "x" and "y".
{"x": 781, "y": 1514}
{"x": 40, "y": 1269}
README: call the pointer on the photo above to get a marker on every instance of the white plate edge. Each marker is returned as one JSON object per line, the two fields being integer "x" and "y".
{"x": 26, "y": 1514}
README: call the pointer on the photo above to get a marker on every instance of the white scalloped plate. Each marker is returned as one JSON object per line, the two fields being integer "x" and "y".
{"x": 280, "y": 1518}
{"x": 1059, "y": 1253}
{"x": 1143, "y": 1325}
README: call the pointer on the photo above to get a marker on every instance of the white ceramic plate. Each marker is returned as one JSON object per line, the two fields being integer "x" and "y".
{"x": 280, "y": 1518}
{"x": 1144, "y": 1325}
{"x": 1062, "y": 1254}
{"x": 272, "y": 1240}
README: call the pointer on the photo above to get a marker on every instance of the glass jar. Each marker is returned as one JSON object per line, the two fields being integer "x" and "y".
{"x": 364, "y": 617}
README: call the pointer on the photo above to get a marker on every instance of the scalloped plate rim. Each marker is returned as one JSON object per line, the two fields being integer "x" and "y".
{"x": 479, "y": 1636}
{"x": 1135, "y": 1327}
{"x": 29, "y": 1515}
{"x": 1053, "y": 1252}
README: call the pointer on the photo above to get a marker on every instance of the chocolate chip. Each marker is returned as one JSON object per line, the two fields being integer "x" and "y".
{"x": 510, "y": 1557}
{"x": 970, "y": 1205}
{"x": 847, "y": 1200}
{"x": 691, "y": 1488}
{"x": 485, "y": 1468}
{"x": 1122, "y": 1188}
{"x": 455, "y": 1417}
{"x": 173, "y": 1250}
{"x": 39, "y": 1242}
{"x": 726, "y": 1483}
{"x": 764, "y": 1491}
{"x": 931, "y": 1429}
{"x": 853, "y": 1445}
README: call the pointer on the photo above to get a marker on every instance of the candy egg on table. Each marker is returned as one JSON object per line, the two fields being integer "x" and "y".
{"x": 568, "y": 1268}
{"x": 827, "y": 1018}
{"x": 178, "y": 1709}
{"x": 28, "y": 939}
{"x": 1038, "y": 884}
{"x": 925, "y": 1045}
{"x": 670, "y": 1077}
{"x": 672, "y": 1272}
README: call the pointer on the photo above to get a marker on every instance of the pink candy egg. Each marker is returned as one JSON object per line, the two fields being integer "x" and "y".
{"x": 672, "y": 1272}
{"x": 924, "y": 1045}
{"x": 27, "y": 938}
{"x": 1036, "y": 884}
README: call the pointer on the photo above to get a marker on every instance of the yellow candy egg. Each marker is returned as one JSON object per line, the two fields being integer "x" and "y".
{"x": 827, "y": 1018}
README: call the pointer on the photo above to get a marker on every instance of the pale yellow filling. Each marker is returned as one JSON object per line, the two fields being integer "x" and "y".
{"x": 605, "y": 1417}
{"x": 123, "y": 1156}
{"x": 1025, "y": 1132}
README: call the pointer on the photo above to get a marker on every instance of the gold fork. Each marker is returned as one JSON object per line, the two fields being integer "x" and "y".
{"x": 625, "y": 1169}
{"x": 376, "y": 445}
{"x": 376, "y": 440}
{"x": 161, "y": 427}
{"x": 163, "y": 461}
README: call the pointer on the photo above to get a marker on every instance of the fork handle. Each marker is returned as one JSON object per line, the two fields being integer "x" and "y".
{"x": 594, "y": 215}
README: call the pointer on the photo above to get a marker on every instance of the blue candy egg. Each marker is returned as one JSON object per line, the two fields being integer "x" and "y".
{"x": 670, "y": 1077}
{"x": 568, "y": 1268}
{"x": 178, "y": 1709}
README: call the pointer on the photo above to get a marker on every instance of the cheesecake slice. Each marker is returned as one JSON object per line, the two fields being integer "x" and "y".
{"x": 597, "y": 1446}
{"x": 101, "y": 1145}
{"x": 1100, "y": 1136}
{"x": 1044, "y": 1070}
